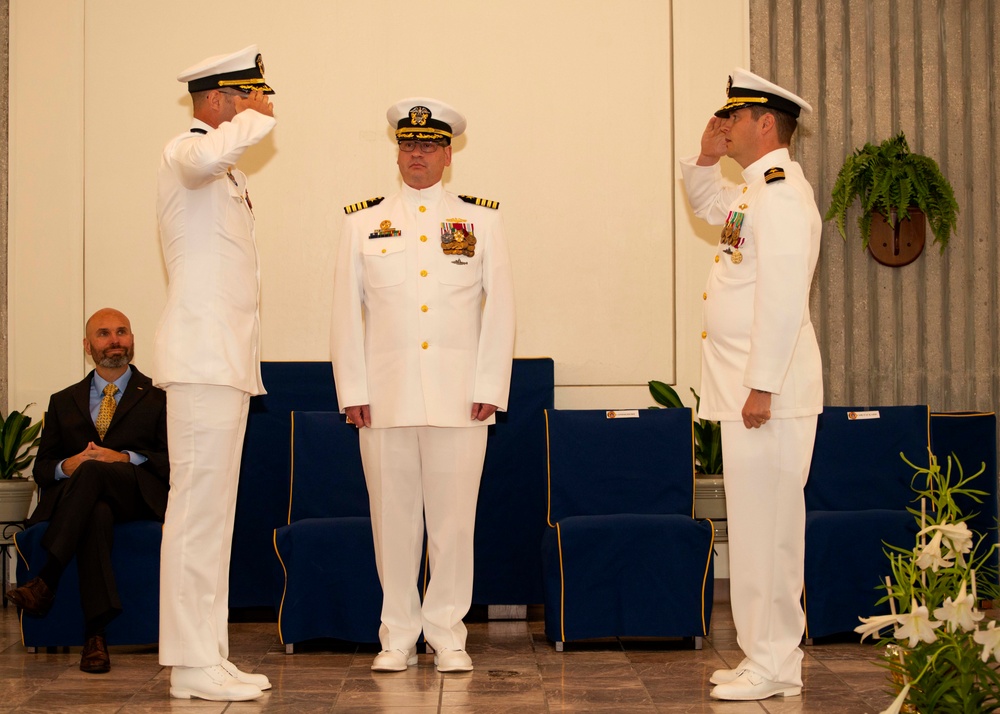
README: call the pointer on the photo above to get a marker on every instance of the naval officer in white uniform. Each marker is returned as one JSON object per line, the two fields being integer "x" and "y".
{"x": 761, "y": 371}
{"x": 207, "y": 358}
{"x": 422, "y": 343}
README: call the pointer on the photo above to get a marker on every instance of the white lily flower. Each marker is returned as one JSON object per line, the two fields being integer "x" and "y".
{"x": 957, "y": 536}
{"x": 930, "y": 555}
{"x": 990, "y": 640}
{"x": 873, "y": 625}
{"x": 897, "y": 705}
{"x": 917, "y": 626}
{"x": 960, "y": 612}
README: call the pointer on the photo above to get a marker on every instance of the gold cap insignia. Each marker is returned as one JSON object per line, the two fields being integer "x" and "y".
{"x": 419, "y": 116}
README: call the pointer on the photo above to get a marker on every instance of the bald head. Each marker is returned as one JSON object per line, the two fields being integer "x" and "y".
{"x": 110, "y": 342}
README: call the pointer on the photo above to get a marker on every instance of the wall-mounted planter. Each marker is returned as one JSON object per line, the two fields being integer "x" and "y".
{"x": 898, "y": 245}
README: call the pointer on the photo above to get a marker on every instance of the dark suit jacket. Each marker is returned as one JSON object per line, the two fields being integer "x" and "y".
{"x": 139, "y": 425}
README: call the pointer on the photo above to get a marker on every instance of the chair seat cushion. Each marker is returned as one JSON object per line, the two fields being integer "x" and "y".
{"x": 136, "y": 562}
{"x": 331, "y": 587}
{"x": 847, "y": 562}
{"x": 628, "y": 575}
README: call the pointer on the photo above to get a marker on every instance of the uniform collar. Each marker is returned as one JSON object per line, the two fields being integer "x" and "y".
{"x": 199, "y": 124}
{"x": 417, "y": 196}
{"x": 755, "y": 171}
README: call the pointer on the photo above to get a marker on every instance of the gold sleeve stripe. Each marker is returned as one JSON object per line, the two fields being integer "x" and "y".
{"x": 361, "y": 205}
{"x": 485, "y": 202}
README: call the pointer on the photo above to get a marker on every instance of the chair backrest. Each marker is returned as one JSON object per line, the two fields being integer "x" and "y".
{"x": 856, "y": 463}
{"x": 603, "y": 463}
{"x": 327, "y": 478}
{"x": 971, "y": 437}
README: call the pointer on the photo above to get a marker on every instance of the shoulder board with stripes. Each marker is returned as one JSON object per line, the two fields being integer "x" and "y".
{"x": 481, "y": 202}
{"x": 775, "y": 173}
{"x": 362, "y": 205}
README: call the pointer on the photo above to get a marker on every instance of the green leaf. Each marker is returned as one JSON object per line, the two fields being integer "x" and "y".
{"x": 664, "y": 394}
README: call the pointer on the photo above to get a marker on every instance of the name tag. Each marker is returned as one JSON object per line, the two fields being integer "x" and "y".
{"x": 863, "y": 415}
{"x": 623, "y": 414}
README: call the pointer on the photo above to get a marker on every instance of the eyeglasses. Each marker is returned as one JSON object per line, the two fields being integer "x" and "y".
{"x": 426, "y": 147}
{"x": 233, "y": 93}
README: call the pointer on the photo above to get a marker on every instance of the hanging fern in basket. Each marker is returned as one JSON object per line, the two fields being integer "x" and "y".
{"x": 890, "y": 179}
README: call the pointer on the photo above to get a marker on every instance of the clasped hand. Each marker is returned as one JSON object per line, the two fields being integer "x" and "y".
{"x": 93, "y": 452}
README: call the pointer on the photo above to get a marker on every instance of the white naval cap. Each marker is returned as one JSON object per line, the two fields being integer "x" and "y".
{"x": 243, "y": 71}
{"x": 746, "y": 89}
{"x": 425, "y": 119}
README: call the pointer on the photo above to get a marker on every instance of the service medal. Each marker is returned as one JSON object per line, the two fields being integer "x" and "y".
{"x": 458, "y": 238}
{"x": 737, "y": 257}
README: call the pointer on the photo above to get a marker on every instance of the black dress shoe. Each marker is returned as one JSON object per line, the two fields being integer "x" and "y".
{"x": 34, "y": 597}
{"x": 95, "y": 658}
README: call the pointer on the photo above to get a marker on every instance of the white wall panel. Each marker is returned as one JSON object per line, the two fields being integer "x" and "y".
{"x": 571, "y": 108}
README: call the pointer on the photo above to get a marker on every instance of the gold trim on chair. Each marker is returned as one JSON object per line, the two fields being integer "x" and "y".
{"x": 704, "y": 579}
{"x": 562, "y": 586}
{"x": 284, "y": 589}
{"x": 291, "y": 468}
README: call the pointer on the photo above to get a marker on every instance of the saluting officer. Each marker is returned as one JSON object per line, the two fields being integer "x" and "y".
{"x": 761, "y": 371}
{"x": 422, "y": 343}
{"x": 206, "y": 356}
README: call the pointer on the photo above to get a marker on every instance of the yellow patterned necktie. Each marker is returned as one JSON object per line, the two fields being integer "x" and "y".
{"x": 107, "y": 410}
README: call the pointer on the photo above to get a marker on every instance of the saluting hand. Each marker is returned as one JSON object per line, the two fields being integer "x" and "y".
{"x": 713, "y": 143}
{"x": 257, "y": 101}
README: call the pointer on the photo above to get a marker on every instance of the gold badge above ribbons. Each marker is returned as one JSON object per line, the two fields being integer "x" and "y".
{"x": 385, "y": 230}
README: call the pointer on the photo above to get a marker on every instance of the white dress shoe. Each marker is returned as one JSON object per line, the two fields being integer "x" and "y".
{"x": 258, "y": 680}
{"x": 751, "y": 686}
{"x": 212, "y": 683}
{"x": 394, "y": 660}
{"x": 453, "y": 661}
{"x": 725, "y": 676}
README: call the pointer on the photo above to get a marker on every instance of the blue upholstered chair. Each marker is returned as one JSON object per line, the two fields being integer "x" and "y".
{"x": 971, "y": 437}
{"x": 329, "y": 586}
{"x": 510, "y": 517}
{"x": 262, "y": 503}
{"x": 136, "y": 562}
{"x": 856, "y": 499}
{"x": 624, "y": 556}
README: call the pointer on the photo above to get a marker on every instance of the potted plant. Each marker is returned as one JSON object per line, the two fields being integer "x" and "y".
{"x": 707, "y": 433}
{"x": 943, "y": 650}
{"x": 19, "y": 439}
{"x": 893, "y": 184}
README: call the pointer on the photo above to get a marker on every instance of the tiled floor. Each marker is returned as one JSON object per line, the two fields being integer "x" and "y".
{"x": 517, "y": 670}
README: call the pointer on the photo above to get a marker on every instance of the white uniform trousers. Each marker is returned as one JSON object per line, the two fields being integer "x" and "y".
{"x": 205, "y": 427}
{"x": 765, "y": 472}
{"x": 415, "y": 473}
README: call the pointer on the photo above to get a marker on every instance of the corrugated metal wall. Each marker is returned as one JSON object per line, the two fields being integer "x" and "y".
{"x": 929, "y": 332}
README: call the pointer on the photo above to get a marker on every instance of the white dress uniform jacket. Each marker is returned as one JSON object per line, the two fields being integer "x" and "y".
{"x": 418, "y": 334}
{"x": 209, "y": 332}
{"x": 758, "y": 333}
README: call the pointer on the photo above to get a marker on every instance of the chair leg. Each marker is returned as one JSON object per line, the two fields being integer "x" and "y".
{"x": 289, "y": 648}
{"x": 699, "y": 642}
{"x": 559, "y": 646}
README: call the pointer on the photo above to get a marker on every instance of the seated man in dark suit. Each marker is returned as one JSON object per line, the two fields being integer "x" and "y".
{"x": 102, "y": 460}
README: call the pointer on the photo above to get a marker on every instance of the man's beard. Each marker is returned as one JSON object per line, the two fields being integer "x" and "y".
{"x": 115, "y": 361}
